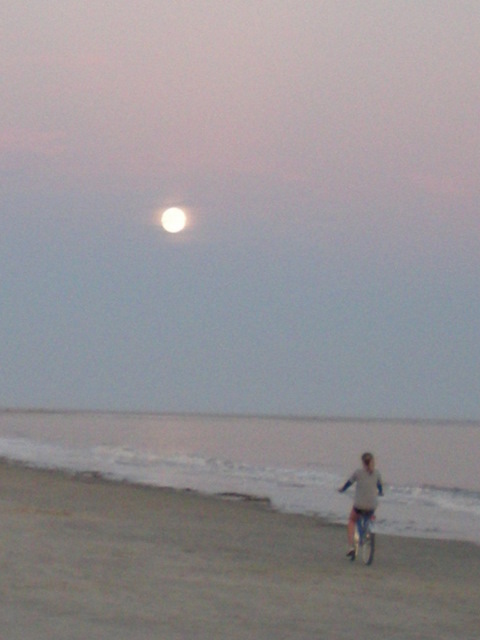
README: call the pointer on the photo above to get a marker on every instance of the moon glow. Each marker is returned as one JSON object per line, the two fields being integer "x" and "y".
{"x": 173, "y": 220}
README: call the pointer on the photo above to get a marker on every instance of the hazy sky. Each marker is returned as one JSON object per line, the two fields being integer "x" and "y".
{"x": 328, "y": 156}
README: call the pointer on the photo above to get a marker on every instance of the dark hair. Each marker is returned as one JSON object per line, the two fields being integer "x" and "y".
{"x": 367, "y": 457}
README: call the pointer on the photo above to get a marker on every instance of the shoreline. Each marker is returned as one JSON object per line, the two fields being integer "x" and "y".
{"x": 409, "y": 420}
{"x": 424, "y": 498}
{"x": 83, "y": 556}
{"x": 238, "y": 496}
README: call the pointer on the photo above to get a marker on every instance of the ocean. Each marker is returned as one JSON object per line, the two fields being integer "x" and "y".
{"x": 429, "y": 469}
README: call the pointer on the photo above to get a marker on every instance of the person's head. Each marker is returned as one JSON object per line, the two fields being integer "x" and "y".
{"x": 368, "y": 461}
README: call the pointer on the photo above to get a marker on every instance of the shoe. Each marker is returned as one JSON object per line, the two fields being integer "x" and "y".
{"x": 351, "y": 554}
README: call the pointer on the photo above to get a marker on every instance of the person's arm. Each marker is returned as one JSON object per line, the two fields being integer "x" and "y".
{"x": 347, "y": 484}
{"x": 380, "y": 485}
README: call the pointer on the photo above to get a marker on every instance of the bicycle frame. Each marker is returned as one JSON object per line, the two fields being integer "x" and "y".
{"x": 364, "y": 538}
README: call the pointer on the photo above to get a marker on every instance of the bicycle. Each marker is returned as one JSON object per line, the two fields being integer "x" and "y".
{"x": 364, "y": 537}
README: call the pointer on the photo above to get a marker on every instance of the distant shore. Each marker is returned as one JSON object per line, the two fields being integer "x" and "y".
{"x": 259, "y": 416}
{"x": 85, "y": 557}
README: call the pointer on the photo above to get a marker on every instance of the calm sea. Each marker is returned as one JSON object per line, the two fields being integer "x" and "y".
{"x": 430, "y": 469}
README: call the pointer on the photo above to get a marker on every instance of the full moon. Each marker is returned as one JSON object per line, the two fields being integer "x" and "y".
{"x": 173, "y": 220}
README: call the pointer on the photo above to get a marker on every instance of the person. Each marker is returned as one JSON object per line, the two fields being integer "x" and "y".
{"x": 368, "y": 485}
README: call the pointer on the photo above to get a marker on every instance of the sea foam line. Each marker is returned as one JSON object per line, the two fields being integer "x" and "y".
{"x": 419, "y": 511}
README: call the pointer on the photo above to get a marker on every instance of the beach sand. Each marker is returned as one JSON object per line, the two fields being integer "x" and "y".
{"x": 82, "y": 558}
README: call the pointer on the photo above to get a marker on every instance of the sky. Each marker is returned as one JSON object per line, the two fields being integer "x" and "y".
{"x": 327, "y": 155}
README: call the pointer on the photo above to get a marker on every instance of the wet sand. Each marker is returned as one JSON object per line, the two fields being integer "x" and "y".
{"x": 82, "y": 557}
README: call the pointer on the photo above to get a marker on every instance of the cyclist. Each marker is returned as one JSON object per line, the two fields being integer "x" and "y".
{"x": 368, "y": 485}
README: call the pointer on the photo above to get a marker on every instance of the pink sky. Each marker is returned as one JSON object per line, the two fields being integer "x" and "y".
{"x": 369, "y": 93}
{"x": 351, "y": 126}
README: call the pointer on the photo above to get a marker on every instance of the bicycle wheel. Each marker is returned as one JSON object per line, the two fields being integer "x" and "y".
{"x": 368, "y": 548}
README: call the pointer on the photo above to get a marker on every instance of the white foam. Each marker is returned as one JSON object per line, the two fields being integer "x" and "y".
{"x": 143, "y": 456}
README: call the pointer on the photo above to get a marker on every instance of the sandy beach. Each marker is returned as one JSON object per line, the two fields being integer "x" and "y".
{"x": 82, "y": 557}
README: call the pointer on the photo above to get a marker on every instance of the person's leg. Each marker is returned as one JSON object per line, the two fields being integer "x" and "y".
{"x": 351, "y": 527}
